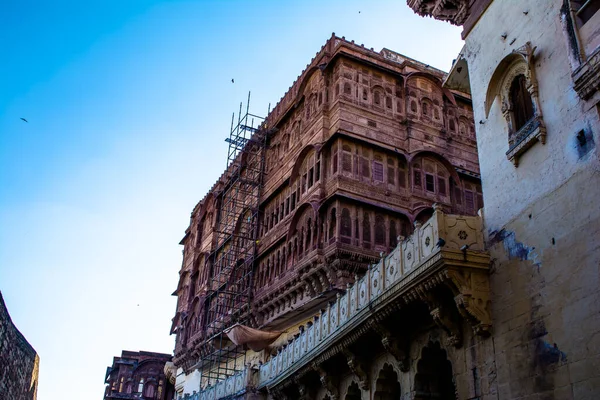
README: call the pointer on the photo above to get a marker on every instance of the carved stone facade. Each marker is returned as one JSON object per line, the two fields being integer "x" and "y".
{"x": 364, "y": 144}
{"x": 139, "y": 375}
{"x": 19, "y": 363}
{"x": 542, "y": 218}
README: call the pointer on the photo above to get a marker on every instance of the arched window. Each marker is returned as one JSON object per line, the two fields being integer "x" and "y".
{"x": 308, "y": 234}
{"x": 379, "y": 230}
{"x": 393, "y": 234}
{"x": 332, "y": 224}
{"x": 149, "y": 390}
{"x": 521, "y": 101}
{"x": 347, "y": 88}
{"x": 141, "y": 385}
{"x": 345, "y": 225}
{"x": 366, "y": 231}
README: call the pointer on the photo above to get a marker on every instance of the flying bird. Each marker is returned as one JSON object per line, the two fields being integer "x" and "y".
{"x": 232, "y": 81}
{"x": 23, "y": 119}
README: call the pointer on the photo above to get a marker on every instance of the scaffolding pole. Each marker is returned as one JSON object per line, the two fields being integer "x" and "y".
{"x": 232, "y": 262}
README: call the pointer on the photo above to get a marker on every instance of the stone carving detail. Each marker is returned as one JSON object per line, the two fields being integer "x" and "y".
{"x": 327, "y": 381}
{"x": 444, "y": 317}
{"x": 453, "y": 11}
{"x": 519, "y": 62}
{"x": 472, "y": 295}
{"x": 357, "y": 369}
{"x": 393, "y": 345}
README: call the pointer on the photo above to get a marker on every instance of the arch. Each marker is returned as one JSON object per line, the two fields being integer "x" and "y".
{"x": 353, "y": 392}
{"x": 438, "y": 157}
{"x": 423, "y": 214}
{"x": 445, "y": 92}
{"x": 514, "y": 61}
{"x": 434, "y": 379}
{"x": 308, "y": 74}
{"x": 300, "y": 159}
{"x": 298, "y": 214}
{"x": 387, "y": 386}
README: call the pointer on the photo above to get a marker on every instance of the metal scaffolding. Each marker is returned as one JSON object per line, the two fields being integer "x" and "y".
{"x": 230, "y": 286}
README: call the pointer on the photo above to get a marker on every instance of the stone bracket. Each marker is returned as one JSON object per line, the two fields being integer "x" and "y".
{"x": 327, "y": 381}
{"x": 395, "y": 346}
{"x": 472, "y": 298}
{"x": 444, "y": 317}
{"x": 357, "y": 369}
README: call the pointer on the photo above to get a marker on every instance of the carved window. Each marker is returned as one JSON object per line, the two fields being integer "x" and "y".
{"x": 393, "y": 234}
{"x": 366, "y": 231}
{"x": 308, "y": 234}
{"x": 442, "y": 185}
{"x": 149, "y": 390}
{"x": 121, "y": 384}
{"x": 379, "y": 230}
{"x": 425, "y": 108}
{"x": 377, "y": 171}
{"x": 469, "y": 200}
{"x": 521, "y": 101}
{"x": 346, "y": 158}
{"x": 458, "y": 195}
{"x": 332, "y": 224}
{"x": 391, "y": 171}
{"x": 141, "y": 385}
{"x": 429, "y": 183}
{"x": 388, "y": 102}
{"x": 417, "y": 178}
{"x": 451, "y": 125}
{"x": 413, "y": 106}
{"x": 364, "y": 164}
{"x": 401, "y": 173}
{"x": 436, "y": 113}
{"x": 334, "y": 159}
{"x": 365, "y": 95}
{"x": 347, "y": 88}
{"x": 318, "y": 168}
{"x": 515, "y": 83}
{"x": 587, "y": 19}
{"x": 376, "y": 98}
{"x": 345, "y": 224}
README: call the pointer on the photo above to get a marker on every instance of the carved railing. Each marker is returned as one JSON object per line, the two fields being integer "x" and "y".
{"x": 408, "y": 262}
{"x": 234, "y": 384}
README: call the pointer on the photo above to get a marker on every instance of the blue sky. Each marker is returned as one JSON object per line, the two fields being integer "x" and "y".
{"x": 128, "y": 106}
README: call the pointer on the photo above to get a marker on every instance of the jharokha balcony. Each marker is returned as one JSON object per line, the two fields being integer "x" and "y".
{"x": 438, "y": 275}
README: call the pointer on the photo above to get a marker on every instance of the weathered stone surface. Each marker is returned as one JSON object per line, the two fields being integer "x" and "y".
{"x": 19, "y": 363}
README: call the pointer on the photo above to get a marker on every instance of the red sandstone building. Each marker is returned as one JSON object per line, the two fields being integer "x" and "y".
{"x": 138, "y": 375}
{"x": 19, "y": 362}
{"x": 351, "y": 158}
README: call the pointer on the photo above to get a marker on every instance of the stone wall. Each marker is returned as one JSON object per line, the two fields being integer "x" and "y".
{"x": 542, "y": 217}
{"x": 19, "y": 363}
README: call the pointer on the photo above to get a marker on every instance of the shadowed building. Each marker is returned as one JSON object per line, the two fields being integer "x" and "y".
{"x": 340, "y": 252}
{"x": 19, "y": 363}
{"x": 139, "y": 375}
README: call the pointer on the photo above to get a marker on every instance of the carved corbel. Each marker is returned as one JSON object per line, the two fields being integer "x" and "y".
{"x": 395, "y": 346}
{"x": 277, "y": 394}
{"x": 357, "y": 369}
{"x": 327, "y": 381}
{"x": 445, "y": 317}
{"x": 472, "y": 297}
